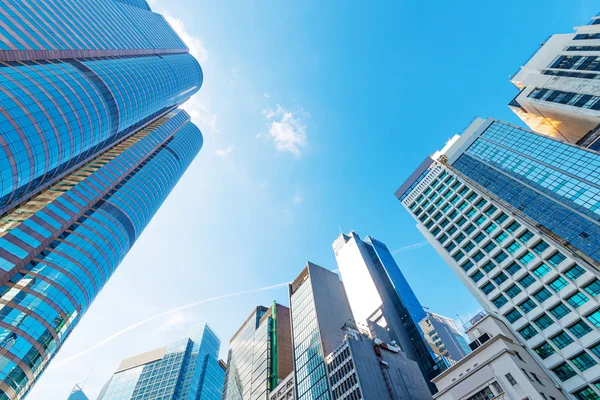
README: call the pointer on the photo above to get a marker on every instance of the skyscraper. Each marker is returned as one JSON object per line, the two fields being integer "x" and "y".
{"x": 91, "y": 145}
{"x": 381, "y": 297}
{"x": 260, "y": 354}
{"x": 188, "y": 369}
{"x": 444, "y": 337}
{"x": 559, "y": 91}
{"x": 319, "y": 309}
{"x": 516, "y": 215}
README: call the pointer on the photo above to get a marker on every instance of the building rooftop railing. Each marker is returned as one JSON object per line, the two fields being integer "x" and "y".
{"x": 469, "y": 324}
{"x": 530, "y": 57}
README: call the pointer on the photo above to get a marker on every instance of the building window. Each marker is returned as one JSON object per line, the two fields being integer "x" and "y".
{"x": 543, "y": 322}
{"x": 489, "y": 246}
{"x": 513, "y": 315}
{"x": 489, "y": 267}
{"x": 458, "y": 256}
{"x": 468, "y": 247}
{"x": 470, "y": 229}
{"x": 542, "y": 295}
{"x": 459, "y": 239}
{"x": 526, "y": 258}
{"x": 564, "y": 372}
{"x": 513, "y": 247}
{"x": 560, "y": 311}
{"x": 481, "y": 203}
{"x": 583, "y": 361}
{"x": 461, "y": 221}
{"x": 527, "y": 305}
{"x": 513, "y": 268}
{"x": 558, "y": 284}
{"x": 478, "y": 256}
{"x": 480, "y": 220}
{"x": 562, "y": 340}
{"x": 544, "y": 350}
{"x": 467, "y": 265}
{"x": 527, "y": 281}
{"x": 556, "y": 259}
{"x": 587, "y": 393}
{"x": 491, "y": 210}
{"x": 500, "y": 257}
{"x": 490, "y": 228}
{"x": 501, "y": 218}
{"x": 513, "y": 291}
{"x": 593, "y": 288}
{"x": 477, "y": 276}
{"x": 596, "y": 350}
{"x": 500, "y": 278}
{"x": 479, "y": 237}
{"x": 574, "y": 272}
{"x": 451, "y": 246}
{"x": 580, "y": 329}
{"x": 541, "y": 270}
{"x": 500, "y": 301}
{"x": 501, "y": 237}
{"x": 471, "y": 212}
{"x": 510, "y": 379}
{"x": 483, "y": 394}
{"x": 513, "y": 226}
{"x": 540, "y": 247}
{"x": 488, "y": 288}
{"x": 577, "y": 300}
{"x": 526, "y": 236}
{"x": 594, "y": 318}
{"x": 528, "y": 332}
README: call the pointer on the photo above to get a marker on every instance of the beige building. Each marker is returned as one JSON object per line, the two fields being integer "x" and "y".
{"x": 499, "y": 367}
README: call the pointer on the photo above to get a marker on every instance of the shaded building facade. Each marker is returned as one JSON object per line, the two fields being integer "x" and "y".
{"x": 444, "y": 337}
{"x": 183, "y": 370}
{"x": 92, "y": 145}
{"x": 382, "y": 299}
{"x": 260, "y": 354}
{"x": 319, "y": 309}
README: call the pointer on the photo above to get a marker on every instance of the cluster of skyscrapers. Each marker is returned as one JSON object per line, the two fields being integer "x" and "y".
{"x": 92, "y": 143}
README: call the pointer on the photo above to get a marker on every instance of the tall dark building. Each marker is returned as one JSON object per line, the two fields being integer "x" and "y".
{"x": 91, "y": 144}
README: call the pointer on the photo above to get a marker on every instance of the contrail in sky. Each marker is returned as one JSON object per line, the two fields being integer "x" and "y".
{"x": 157, "y": 316}
{"x": 410, "y": 247}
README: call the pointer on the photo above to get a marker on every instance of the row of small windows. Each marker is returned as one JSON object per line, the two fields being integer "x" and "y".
{"x": 570, "y": 74}
{"x": 568, "y": 98}
{"x": 587, "y": 36}
{"x": 581, "y": 63}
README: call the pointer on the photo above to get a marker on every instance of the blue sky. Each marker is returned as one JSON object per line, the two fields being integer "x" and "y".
{"x": 313, "y": 114}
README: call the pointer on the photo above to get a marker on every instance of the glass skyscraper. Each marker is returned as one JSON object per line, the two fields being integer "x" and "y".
{"x": 320, "y": 310}
{"x": 260, "y": 354}
{"x": 91, "y": 144}
{"x": 381, "y": 298}
{"x": 516, "y": 215}
{"x": 188, "y": 369}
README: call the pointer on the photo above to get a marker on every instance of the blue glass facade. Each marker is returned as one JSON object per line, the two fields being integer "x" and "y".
{"x": 555, "y": 184}
{"x": 91, "y": 144}
{"x": 188, "y": 369}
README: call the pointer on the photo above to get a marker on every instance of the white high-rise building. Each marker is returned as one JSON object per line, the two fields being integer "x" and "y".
{"x": 560, "y": 87}
{"x": 516, "y": 215}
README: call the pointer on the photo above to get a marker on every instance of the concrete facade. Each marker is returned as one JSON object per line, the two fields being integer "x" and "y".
{"x": 285, "y": 390}
{"x": 499, "y": 367}
{"x": 362, "y": 368}
{"x": 550, "y": 68}
{"x": 443, "y": 337}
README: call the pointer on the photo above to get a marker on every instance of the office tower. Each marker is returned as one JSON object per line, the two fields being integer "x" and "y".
{"x": 363, "y": 368}
{"x": 319, "y": 309}
{"x": 498, "y": 368}
{"x": 285, "y": 390}
{"x": 443, "y": 337}
{"x": 185, "y": 369}
{"x": 516, "y": 215}
{"x": 77, "y": 394}
{"x": 559, "y": 91}
{"x": 91, "y": 145}
{"x": 381, "y": 297}
{"x": 260, "y": 354}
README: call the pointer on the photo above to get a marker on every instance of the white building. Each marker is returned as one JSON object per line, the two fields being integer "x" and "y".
{"x": 444, "y": 337}
{"x": 516, "y": 216}
{"x": 560, "y": 87}
{"x": 499, "y": 367}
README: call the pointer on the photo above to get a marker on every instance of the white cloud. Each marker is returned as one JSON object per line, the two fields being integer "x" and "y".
{"x": 267, "y": 95}
{"x": 194, "y": 43}
{"x": 201, "y": 115}
{"x": 287, "y": 130}
{"x": 235, "y": 72}
{"x": 298, "y": 197}
{"x": 225, "y": 151}
{"x": 410, "y": 247}
{"x": 176, "y": 321}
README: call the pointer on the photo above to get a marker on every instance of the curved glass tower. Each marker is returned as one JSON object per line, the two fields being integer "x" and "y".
{"x": 91, "y": 144}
